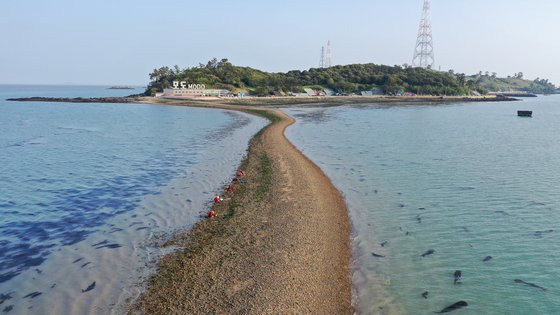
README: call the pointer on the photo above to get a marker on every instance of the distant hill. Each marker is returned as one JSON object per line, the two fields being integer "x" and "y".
{"x": 345, "y": 79}
{"x": 515, "y": 83}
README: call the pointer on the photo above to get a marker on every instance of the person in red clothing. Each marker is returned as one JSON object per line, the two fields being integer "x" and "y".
{"x": 229, "y": 188}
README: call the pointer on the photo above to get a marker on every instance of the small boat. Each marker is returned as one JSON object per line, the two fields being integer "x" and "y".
{"x": 525, "y": 113}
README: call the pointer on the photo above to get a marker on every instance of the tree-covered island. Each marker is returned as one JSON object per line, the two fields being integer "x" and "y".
{"x": 345, "y": 79}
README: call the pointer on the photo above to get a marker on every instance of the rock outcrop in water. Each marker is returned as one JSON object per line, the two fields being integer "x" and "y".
{"x": 453, "y": 307}
{"x": 428, "y": 253}
{"x": 529, "y": 284}
{"x": 89, "y": 288}
{"x": 457, "y": 276}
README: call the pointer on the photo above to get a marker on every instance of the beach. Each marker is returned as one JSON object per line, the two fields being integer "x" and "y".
{"x": 280, "y": 244}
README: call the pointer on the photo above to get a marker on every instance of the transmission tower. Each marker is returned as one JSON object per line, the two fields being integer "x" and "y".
{"x": 424, "y": 50}
{"x": 326, "y": 56}
{"x": 328, "y": 62}
{"x": 322, "y": 61}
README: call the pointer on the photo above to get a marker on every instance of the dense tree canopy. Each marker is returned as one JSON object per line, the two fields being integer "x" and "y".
{"x": 342, "y": 79}
{"x": 513, "y": 83}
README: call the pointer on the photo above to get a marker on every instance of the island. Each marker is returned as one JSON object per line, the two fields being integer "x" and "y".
{"x": 120, "y": 87}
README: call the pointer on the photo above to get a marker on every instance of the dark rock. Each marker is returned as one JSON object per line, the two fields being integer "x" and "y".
{"x": 89, "y": 288}
{"x": 33, "y": 295}
{"x": 428, "y": 252}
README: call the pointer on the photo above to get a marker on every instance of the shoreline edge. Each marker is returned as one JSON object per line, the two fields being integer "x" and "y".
{"x": 281, "y": 242}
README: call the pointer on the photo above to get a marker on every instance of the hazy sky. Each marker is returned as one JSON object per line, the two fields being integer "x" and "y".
{"x": 121, "y": 41}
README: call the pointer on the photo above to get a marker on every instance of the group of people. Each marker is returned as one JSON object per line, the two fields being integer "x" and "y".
{"x": 229, "y": 189}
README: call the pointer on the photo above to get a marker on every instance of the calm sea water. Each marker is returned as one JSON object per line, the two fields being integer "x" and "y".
{"x": 466, "y": 180}
{"x": 83, "y": 188}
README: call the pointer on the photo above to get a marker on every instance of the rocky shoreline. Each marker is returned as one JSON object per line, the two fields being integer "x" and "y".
{"x": 275, "y": 101}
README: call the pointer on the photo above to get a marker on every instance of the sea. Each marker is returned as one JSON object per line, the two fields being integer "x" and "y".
{"x": 439, "y": 190}
{"x": 87, "y": 191}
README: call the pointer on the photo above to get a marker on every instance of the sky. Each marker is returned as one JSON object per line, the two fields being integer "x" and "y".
{"x": 110, "y": 42}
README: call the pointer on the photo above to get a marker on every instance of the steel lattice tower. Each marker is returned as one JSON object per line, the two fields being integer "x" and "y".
{"x": 424, "y": 50}
{"x": 326, "y": 56}
{"x": 328, "y": 62}
{"x": 322, "y": 61}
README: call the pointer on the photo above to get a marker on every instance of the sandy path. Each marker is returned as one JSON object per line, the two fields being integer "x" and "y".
{"x": 288, "y": 253}
{"x": 314, "y": 224}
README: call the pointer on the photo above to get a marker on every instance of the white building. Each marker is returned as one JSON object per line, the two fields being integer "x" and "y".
{"x": 195, "y": 92}
{"x": 181, "y": 89}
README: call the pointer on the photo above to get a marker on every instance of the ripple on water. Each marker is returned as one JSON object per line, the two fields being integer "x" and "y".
{"x": 72, "y": 205}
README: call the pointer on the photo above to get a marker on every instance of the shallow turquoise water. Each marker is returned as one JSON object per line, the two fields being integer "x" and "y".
{"x": 63, "y": 164}
{"x": 83, "y": 188}
{"x": 466, "y": 180}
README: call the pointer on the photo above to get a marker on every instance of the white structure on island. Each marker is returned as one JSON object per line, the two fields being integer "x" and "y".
{"x": 182, "y": 89}
{"x": 326, "y": 56}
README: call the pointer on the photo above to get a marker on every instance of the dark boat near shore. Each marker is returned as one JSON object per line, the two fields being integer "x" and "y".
{"x": 525, "y": 113}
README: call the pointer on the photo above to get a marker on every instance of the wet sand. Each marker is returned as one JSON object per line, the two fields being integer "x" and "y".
{"x": 280, "y": 243}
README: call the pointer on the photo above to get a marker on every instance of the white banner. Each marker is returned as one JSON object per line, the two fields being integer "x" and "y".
{"x": 184, "y": 85}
